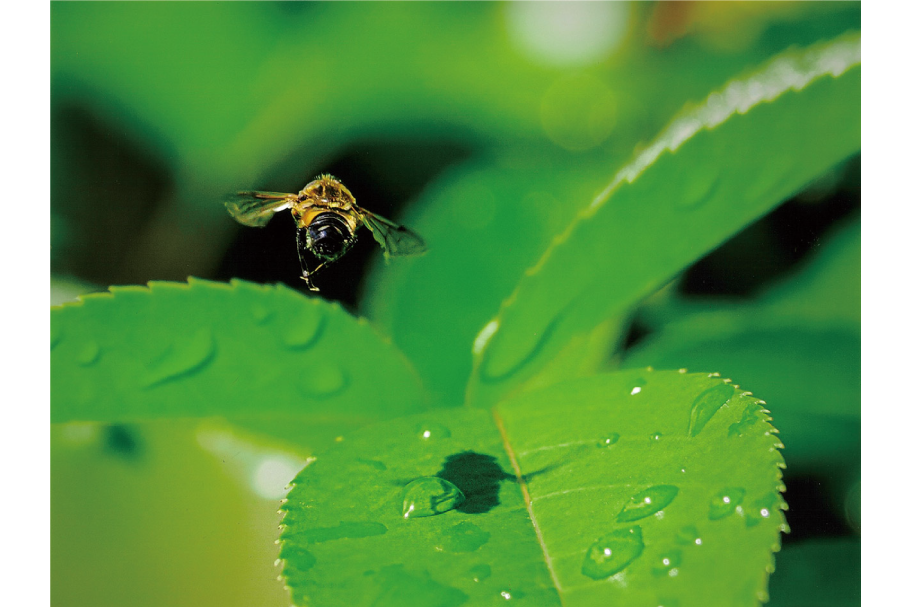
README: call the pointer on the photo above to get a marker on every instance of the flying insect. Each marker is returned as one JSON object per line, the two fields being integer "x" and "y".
{"x": 327, "y": 218}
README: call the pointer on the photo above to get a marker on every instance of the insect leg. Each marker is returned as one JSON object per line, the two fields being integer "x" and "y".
{"x": 305, "y": 273}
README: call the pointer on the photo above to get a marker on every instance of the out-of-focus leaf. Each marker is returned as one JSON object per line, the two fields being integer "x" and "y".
{"x": 714, "y": 169}
{"x": 264, "y": 354}
{"x": 170, "y": 524}
{"x": 820, "y": 573}
{"x": 484, "y": 225}
{"x": 630, "y": 488}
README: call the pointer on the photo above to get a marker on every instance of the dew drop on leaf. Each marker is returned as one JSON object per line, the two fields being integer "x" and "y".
{"x": 668, "y": 563}
{"x": 322, "y": 381}
{"x": 56, "y": 334}
{"x": 89, "y": 354}
{"x": 761, "y": 509}
{"x": 261, "y": 314}
{"x": 688, "y": 536}
{"x": 647, "y": 502}
{"x": 428, "y": 496}
{"x": 186, "y": 356}
{"x": 302, "y": 333}
{"x": 751, "y": 416}
{"x": 706, "y": 405}
{"x": 724, "y": 502}
{"x": 480, "y": 572}
{"x": 612, "y": 553}
{"x": 431, "y": 431}
{"x": 656, "y": 437}
{"x": 462, "y": 537}
{"x": 609, "y": 440}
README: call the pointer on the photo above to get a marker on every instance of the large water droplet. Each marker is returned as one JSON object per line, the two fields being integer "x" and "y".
{"x": 480, "y": 572}
{"x": 609, "y": 440}
{"x": 612, "y": 553}
{"x": 688, "y": 536}
{"x": 88, "y": 354}
{"x": 345, "y": 530}
{"x": 261, "y": 314}
{"x": 462, "y": 537}
{"x": 697, "y": 189}
{"x": 706, "y": 405}
{"x": 322, "y": 381}
{"x": 187, "y": 356}
{"x": 432, "y": 431}
{"x": 303, "y": 331}
{"x": 647, "y": 502}
{"x": 724, "y": 502}
{"x": 668, "y": 563}
{"x": 429, "y": 495}
{"x": 751, "y": 416}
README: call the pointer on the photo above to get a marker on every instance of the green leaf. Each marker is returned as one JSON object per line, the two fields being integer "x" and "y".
{"x": 716, "y": 168}
{"x": 798, "y": 345}
{"x": 486, "y": 223}
{"x": 819, "y": 572}
{"x": 637, "y": 462}
{"x": 265, "y": 355}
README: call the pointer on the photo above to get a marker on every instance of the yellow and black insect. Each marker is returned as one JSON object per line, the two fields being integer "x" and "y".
{"x": 327, "y": 218}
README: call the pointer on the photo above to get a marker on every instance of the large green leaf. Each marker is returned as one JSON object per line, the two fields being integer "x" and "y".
{"x": 263, "y": 355}
{"x": 716, "y": 168}
{"x": 632, "y": 488}
{"x": 486, "y": 223}
{"x": 798, "y": 345}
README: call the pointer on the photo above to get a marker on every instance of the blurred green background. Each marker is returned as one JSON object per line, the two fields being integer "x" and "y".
{"x": 484, "y": 126}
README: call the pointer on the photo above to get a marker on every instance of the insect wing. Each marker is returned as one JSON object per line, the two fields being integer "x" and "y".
{"x": 256, "y": 208}
{"x": 396, "y": 240}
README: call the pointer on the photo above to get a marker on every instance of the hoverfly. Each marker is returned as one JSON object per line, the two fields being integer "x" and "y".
{"x": 327, "y": 218}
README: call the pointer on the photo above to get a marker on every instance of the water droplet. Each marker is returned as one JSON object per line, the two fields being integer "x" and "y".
{"x": 304, "y": 330}
{"x": 188, "y": 355}
{"x": 724, "y": 503}
{"x": 668, "y": 563}
{"x": 505, "y": 356}
{"x": 345, "y": 530}
{"x": 751, "y": 416}
{"x": 261, "y": 314}
{"x": 698, "y": 188}
{"x": 656, "y": 437}
{"x": 399, "y": 587}
{"x": 372, "y": 463}
{"x": 609, "y": 440}
{"x": 461, "y": 537}
{"x": 706, "y": 405}
{"x": 432, "y": 431}
{"x": 612, "y": 553}
{"x": 647, "y": 502}
{"x": 688, "y": 536}
{"x": 56, "y": 334}
{"x": 634, "y": 387}
{"x": 295, "y": 559}
{"x": 761, "y": 509}
{"x": 322, "y": 381}
{"x": 89, "y": 354}
{"x": 509, "y": 594}
{"x": 480, "y": 572}
{"x": 429, "y": 495}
